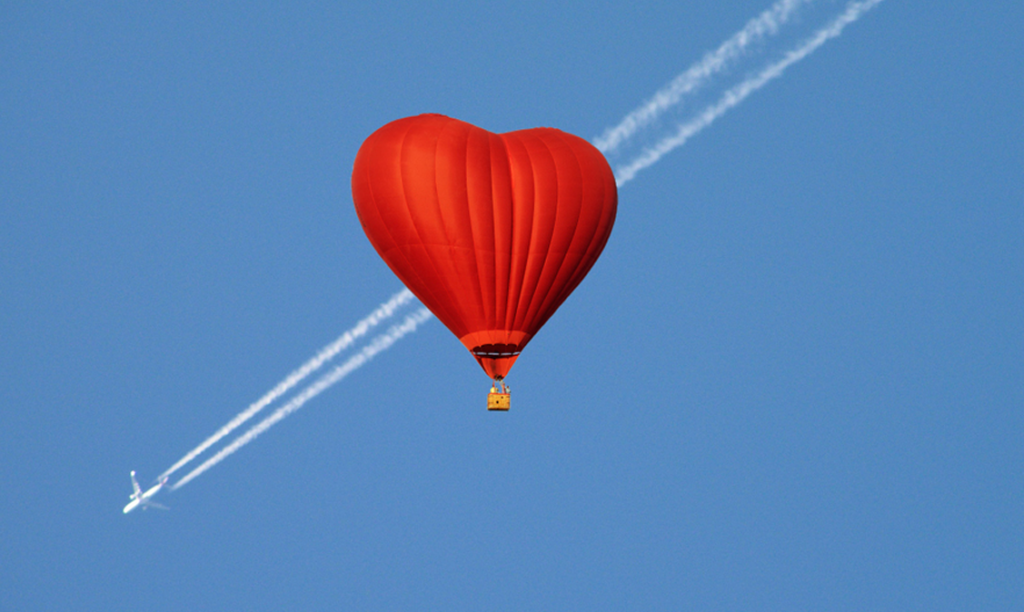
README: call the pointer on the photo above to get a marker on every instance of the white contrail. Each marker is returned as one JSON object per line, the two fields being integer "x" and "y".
{"x": 624, "y": 174}
{"x": 380, "y": 343}
{"x": 765, "y": 24}
{"x": 326, "y": 354}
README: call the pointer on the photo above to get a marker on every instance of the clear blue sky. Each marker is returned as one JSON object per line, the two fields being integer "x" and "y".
{"x": 793, "y": 381}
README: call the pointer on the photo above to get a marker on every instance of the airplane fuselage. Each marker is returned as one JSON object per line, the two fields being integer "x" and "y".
{"x": 142, "y": 499}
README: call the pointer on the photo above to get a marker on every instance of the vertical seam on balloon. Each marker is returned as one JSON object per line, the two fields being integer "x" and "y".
{"x": 510, "y": 308}
{"x": 609, "y": 208}
{"x": 472, "y": 229}
{"x": 529, "y": 240}
{"x": 499, "y": 313}
{"x": 600, "y": 238}
{"x": 490, "y": 306}
{"x": 502, "y": 309}
{"x": 494, "y": 322}
{"x": 412, "y": 222}
{"x": 547, "y": 252}
{"x": 609, "y": 199}
{"x": 569, "y": 286}
{"x": 564, "y": 292}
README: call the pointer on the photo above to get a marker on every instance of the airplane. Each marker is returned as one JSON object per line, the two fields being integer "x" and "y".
{"x": 144, "y": 499}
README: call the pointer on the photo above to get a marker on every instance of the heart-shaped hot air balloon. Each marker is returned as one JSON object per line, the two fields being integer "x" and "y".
{"x": 492, "y": 232}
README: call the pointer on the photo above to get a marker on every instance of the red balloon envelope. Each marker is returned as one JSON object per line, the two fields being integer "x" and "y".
{"x": 492, "y": 232}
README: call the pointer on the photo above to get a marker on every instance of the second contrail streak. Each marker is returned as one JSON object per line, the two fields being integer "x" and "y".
{"x": 380, "y": 343}
{"x": 764, "y": 25}
{"x": 853, "y": 12}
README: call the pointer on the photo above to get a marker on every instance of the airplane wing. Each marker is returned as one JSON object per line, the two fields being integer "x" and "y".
{"x": 151, "y": 504}
{"x": 135, "y": 485}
